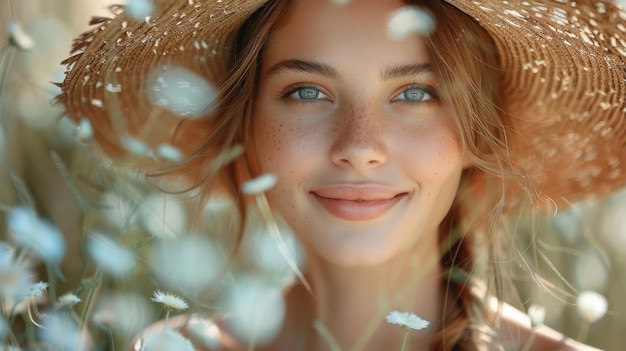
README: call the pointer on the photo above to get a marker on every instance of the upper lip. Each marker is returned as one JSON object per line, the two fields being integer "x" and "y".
{"x": 357, "y": 192}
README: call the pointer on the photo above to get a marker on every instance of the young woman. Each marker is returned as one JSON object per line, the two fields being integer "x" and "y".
{"x": 396, "y": 157}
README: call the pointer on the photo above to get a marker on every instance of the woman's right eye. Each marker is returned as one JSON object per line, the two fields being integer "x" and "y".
{"x": 304, "y": 93}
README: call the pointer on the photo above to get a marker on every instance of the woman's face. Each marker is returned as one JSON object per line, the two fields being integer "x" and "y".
{"x": 367, "y": 157}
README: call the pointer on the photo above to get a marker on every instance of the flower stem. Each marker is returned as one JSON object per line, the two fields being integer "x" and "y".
{"x": 167, "y": 316}
{"x": 405, "y": 338}
{"x": 51, "y": 285}
{"x": 90, "y": 297}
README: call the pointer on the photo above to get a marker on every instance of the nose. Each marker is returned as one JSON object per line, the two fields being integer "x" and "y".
{"x": 359, "y": 142}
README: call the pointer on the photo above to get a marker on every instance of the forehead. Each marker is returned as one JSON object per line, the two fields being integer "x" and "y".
{"x": 357, "y": 30}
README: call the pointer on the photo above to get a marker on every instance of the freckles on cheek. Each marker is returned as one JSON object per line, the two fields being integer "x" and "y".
{"x": 269, "y": 144}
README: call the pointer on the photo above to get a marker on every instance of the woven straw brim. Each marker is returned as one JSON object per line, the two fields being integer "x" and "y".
{"x": 562, "y": 63}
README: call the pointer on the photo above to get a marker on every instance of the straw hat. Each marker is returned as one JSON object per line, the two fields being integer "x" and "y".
{"x": 563, "y": 67}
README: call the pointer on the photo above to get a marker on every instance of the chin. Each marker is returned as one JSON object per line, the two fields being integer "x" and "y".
{"x": 356, "y": 254}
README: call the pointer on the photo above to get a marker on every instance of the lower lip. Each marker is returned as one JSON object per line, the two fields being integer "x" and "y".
{"x": 358, "y": 211}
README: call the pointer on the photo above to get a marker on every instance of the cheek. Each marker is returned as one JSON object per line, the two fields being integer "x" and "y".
{"x": 435, "y": 150}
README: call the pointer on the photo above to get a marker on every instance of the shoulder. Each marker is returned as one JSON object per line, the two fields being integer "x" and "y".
{"x": 514, "y": 328}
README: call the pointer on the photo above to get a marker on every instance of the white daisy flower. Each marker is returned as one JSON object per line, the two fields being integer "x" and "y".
{"x": 407, "y": 320}
{"x": 66, "y": 301}
{"x": 37, "y": 289}
{"x": 591, "y": 306}
{"x": 259, "y": 184}
{"x": 170, "y": 301}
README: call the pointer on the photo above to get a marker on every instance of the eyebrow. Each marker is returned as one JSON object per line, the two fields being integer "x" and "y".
{"x": 314, "y": 67}
{"x": 412, "y": 69}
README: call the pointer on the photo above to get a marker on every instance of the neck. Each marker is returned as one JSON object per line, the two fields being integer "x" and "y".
{"x": 352, "y": 302}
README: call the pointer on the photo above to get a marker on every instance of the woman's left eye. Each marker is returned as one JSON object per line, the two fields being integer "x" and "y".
{"x": 416, "y": 93}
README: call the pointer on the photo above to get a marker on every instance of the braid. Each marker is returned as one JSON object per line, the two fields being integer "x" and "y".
{"x": 460, "y": 304}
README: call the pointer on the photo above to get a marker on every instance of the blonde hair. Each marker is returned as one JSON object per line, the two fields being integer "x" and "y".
{"x": 465, "y": 60}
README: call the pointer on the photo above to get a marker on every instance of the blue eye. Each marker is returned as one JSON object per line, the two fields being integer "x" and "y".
{"x": 416, "y": 93}
{"x": 304, "y": 93}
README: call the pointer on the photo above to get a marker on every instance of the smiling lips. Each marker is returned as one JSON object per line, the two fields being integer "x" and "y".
{"x": 357, "y": 202}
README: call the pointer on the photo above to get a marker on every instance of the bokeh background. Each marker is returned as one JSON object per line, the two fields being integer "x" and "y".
{"x": 578, "y": 249}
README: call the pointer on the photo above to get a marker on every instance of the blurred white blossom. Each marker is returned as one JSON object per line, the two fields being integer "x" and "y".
{"x": 169, "y": 301}
{"x": 205, "y": 333}
{"x": 591, "y": 306}
{"x": 162, "y": 216}
{"x": 256, "y": 310}
{"x": 406, "y": 320}
{"x": 104, "y": 317}
{"x": 15, "y": 279}
{"x": 109, "y": 255}
{"x": 190, "y": 264}
{"x": 591, "y": 270}
{"x": 537, "y": 314}
{"x": 259, "y": 184}
{"x": 182, "y": 92}
{"x": 84, "y": 130}
{"x": 273, "y": 255}
{"x": 60, "y": 331}
{"x": 134, "y": 146}
{"x": 169, "y": 152}
{"x": 36, "y": 234}
{"x": 409, "y": 20}
{"x": 126, "y": 313}
{"x": 118, "y": 211}
{"x": 166, "y": 340}
{"x": 31, "y": 91}
{"x": 139, "y": 9}
{"x": 612, "y": 225}
{"x": 68, "y": 300}
{"x": 18, "y": 37}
